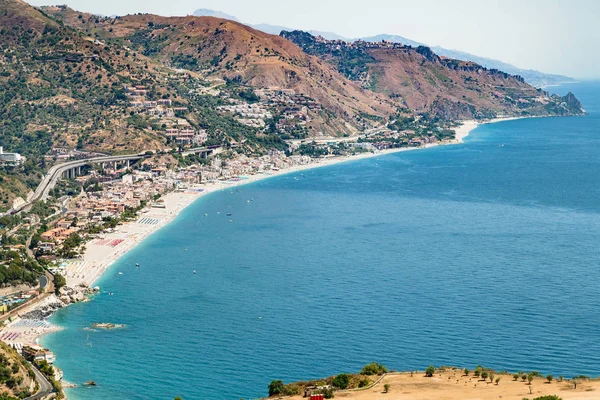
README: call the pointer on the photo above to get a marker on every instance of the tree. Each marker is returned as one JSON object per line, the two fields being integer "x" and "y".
{"x": 549, "y": 378}
{"x": 491, "y": 377}
{"x": 466, "y": 371}
{"x": 530, "y": 378}
{"x": 524, "y": 377}
{"x": 341, "y": 381}
{"x": 59, "y": 282}
{"x": 515, "y": 377}
{"x": 484, "y": 375}
{"x": 275, "y": 387}
{"x": 498, "y": 380}
{"x": 386, "y": 388}
{"x": 430, "y": 371}
{"x": 477, "y": 371}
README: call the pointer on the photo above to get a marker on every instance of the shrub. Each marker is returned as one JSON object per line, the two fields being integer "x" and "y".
{"x": 374, "y": 369}
{"x": 386, "y": 388}
{"x": 551, "y": 397}
{"x": 430, "y": 371}
{"x": 363, "y": 383}
{"x": 466, "y": 371}
{"x": 515, "y": 377}
{"x": 291, "y": 389}
{"x": 498, "y": 380}
{"x": 341, "y": 381}
{"x": 484, "y": 375}
{"x": 275, "y": 387}
{"x": 549, "y": 378}
{"x": 524, "y": 377}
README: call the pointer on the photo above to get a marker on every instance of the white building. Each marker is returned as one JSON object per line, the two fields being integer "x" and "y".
{"x": 11, "y": 158}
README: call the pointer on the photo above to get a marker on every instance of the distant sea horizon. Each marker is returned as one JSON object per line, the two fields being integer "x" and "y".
{"x": 482, "y": 253}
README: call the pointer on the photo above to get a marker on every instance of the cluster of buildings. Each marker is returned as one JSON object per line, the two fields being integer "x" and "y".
{"x": 127, "y": 193}
{"x": 243, "y": 166}
{"x": 359, "y": 44}
{"x": 176, "y": 129}
{"x": 10, "y": 158}
{"x": 253, "y": 115}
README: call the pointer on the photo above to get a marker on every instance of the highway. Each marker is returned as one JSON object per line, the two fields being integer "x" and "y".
{"x": 45, "y": 386}
{"x": 56, "y": 171}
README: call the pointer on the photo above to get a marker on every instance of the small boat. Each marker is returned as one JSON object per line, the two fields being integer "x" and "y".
{"x": 120, "y": 273}
{"x": 89, "y": 383}
{"x": 137, "y": 265}
{"x": 230, "y": 221}
{"x": 194, "y": 272}
{"x": 229, "y": 214}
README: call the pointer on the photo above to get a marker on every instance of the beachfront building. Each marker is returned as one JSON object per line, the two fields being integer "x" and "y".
{"x": 37, "y": 353}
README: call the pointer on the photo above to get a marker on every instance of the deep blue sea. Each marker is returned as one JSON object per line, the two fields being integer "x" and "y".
{"x": 483, "y": 253}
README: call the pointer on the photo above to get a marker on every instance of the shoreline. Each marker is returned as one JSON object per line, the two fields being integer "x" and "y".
{"x": 106, "y": 249}
{"x": 97, "y": 260}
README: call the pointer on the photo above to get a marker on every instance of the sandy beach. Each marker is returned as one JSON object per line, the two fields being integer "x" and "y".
{"x": 104, "y": 250}
{"x": 107, "y": 248}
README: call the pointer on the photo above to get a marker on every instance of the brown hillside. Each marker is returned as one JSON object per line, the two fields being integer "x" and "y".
{"x": 427, "y": 83}
{"x": 422, "y": 81}
{"x": 231, "y": 50}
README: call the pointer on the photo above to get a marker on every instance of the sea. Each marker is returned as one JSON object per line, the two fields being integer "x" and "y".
{"x": 485, "y": 253}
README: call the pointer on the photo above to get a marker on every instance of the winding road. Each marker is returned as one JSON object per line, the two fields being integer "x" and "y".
{"x": 45, "y": 386}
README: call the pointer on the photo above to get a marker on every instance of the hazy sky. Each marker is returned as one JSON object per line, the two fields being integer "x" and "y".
{"x": 555, "y": 36}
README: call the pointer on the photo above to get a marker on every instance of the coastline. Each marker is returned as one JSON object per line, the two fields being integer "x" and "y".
{"x": 100, "y": 255}
{"x": 103, "y": 251}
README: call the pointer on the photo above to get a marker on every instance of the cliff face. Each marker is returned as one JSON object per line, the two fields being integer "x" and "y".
{"x": 426, "y": 83}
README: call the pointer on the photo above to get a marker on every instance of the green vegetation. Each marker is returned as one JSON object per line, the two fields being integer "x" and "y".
{"x": 48, "y": 371}
{"x": 278, "y": 388}
{"x": 13, "y": 371}
{"x": 341, "y": 381}
{"x": 374, "y": 369}
{"x": 430, "y": 371}
{"x": 16, "y": 268}
{"x": 59, "y": 282}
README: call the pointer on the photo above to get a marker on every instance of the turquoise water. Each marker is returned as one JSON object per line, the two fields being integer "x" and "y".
{"x": 485, "y": 253}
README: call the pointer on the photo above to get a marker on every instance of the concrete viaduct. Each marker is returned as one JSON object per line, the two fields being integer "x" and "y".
{"x": 71, "y": 169}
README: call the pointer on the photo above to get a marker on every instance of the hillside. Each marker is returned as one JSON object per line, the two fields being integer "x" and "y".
{"x": 533, "y": 77}
{"x": 16, "y": 377}
{"x": 58, "y": 88}
{"x": 426, "y": 83}
{"x": 237, "y": 53}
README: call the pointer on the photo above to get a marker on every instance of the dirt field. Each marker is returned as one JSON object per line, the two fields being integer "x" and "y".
{"x": 453, "y": 385}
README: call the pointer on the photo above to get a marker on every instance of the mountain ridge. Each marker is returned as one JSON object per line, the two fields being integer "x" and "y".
{"x": 534, "y": 77}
